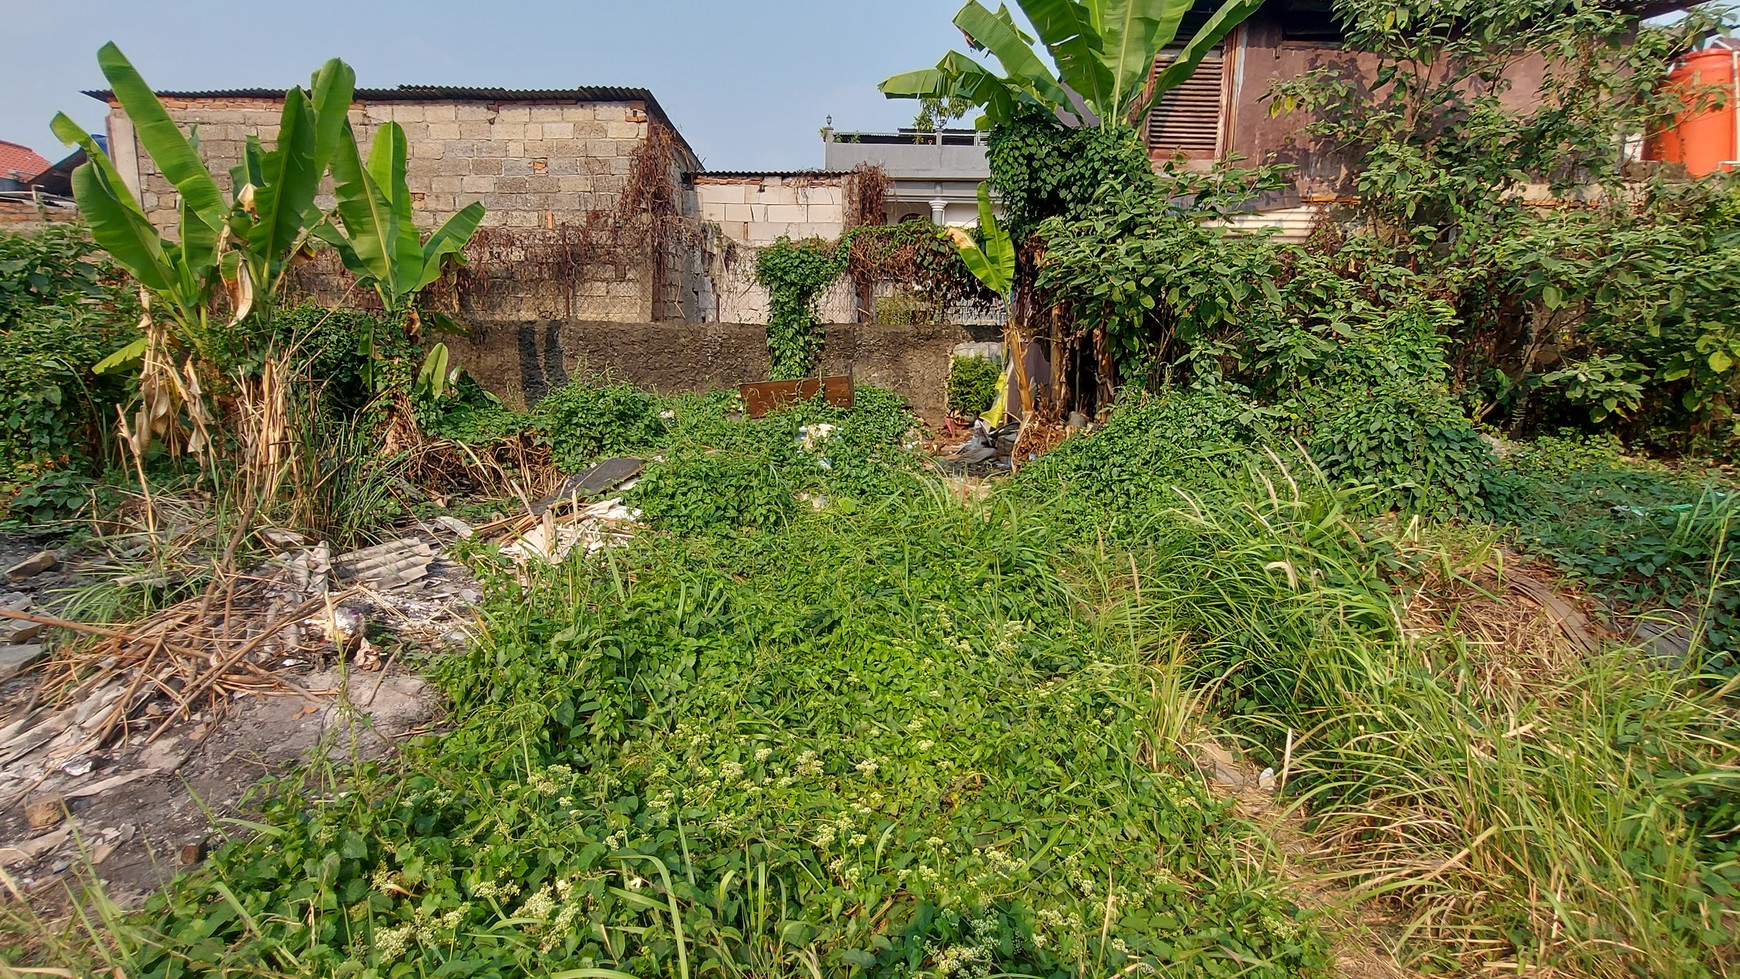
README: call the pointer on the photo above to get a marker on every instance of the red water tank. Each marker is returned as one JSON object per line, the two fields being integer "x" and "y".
{"x": 1705, "y": 140}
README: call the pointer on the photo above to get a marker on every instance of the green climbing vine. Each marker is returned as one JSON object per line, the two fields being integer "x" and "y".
{"x": 915, "y": 255}
{"x": 795, "y": 273}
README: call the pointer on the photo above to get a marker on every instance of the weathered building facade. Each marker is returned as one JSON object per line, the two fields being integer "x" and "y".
{"x": 593, "y": 182}
{"x": 1221, "y": 112}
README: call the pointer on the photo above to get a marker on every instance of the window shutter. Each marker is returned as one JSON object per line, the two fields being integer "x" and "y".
{"x": 1188, "y": 119}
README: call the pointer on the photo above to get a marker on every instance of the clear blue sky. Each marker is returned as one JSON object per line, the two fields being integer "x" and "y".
{"x": 748, "y": 82}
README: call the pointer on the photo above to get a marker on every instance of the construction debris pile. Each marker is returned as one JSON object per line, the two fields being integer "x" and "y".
{"x": 303, "y": 626}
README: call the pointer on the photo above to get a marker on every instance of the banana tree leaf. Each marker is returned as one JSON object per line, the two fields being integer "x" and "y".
{"x": 975, "y": 259}
{"x": 334, "y": 88}
{"x": 1131, "y": 31}
{"x": 432, "y": 376}
{"x": 124, "y": 359}
{"x": 921, "y": 84}
{"x": 449, "y": 239}
{"x": 333, "y": 236}
{"x": 197, "y": 254}
{"x": 1170, "y": 21}
{"x": 1012, "y": 51}
{"x": 370, "y": 227}
{"x": 117, "y": 223}
{"x": 387, "y": 165}
{"x": 956, "y": 75}
{"x": 1067, "y": 30}
{"x": 250, "y": 169}
{"x": 999, "y": 247}
{"x": 993, "y": 264}
{"x": 163, "y": 140}
{"x": 1230, "y": 15}
{"x": 284, "y": 198}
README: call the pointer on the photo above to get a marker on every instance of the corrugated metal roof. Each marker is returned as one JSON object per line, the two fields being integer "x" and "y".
{"x": 418, "y": 93}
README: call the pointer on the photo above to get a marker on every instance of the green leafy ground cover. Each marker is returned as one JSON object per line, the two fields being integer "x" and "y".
{"x": 823, "y": 718}
{"x": 883, "y": 738}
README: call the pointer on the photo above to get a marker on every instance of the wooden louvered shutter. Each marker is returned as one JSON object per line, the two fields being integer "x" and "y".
{"x": 1188, "y": 119}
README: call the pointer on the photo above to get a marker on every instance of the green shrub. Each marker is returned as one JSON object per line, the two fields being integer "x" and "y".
{"x": 729, "y": 474}
{"x": 468, "y": 413}
{"x": 586, "y": 421}
{"x": 1413, "y": 445}
{"x": 1649, "y": 540}
{"x": 329, "y": 343}
{"x": 1150, "y": 445}
{"x": 60, "y": 313}
{"x": 898, "y": 743}
{"x": 696, "y": 492}
{"x": 795, "y": 273}
{"x": 973, "y": 384}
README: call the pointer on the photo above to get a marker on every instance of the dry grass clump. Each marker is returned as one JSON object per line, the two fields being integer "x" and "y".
{"x": 1526, "y": 804}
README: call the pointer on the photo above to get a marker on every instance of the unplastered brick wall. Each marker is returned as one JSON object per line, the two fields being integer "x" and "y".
{"x": 532, "y": 165}
{"x": 755, "y": 210}
{"x": 758, "y": 209}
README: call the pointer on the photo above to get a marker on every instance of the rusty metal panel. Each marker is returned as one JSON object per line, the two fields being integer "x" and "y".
{"x": 762, "y": 397}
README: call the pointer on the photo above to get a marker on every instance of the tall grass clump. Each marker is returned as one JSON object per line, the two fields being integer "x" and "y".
{"x": 1582, "y": 820}
{"x": 1516, "y": 809}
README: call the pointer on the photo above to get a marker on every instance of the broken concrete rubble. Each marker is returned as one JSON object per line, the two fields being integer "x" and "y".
{"x": 41, "y": 562}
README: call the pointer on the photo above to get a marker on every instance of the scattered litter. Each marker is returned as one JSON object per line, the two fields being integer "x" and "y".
{"x": 386, "y": 565}
{"x": 985, "y": 451}
{"x": 454, "y": 526}
{"x": 190, "y": 853}
{"x": 29, "y": 852}
{"x": 87, "y": 791}
{"x": 551, "y": 538}
{"x": 811, "y": 438}
{"x": 16, "y": 659}
{"x": 601, "y": 478}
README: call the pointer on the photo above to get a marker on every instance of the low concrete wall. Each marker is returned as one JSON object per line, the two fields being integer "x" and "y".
{"x": 522, "y": 361}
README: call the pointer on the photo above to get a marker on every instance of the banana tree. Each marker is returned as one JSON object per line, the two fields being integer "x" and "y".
{"x": 276, "y": 215}
{"x": 376, "y": 236}
{"x": 1102, "y": 51}
{"x": 236, "y": 248}
{"x": 993, "y": 264}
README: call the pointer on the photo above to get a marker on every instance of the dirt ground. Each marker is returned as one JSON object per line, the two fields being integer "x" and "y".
{"x": 112, "y": 783}
{"x": 174, "y": 794}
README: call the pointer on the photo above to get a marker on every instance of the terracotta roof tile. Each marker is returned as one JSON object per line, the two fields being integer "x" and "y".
{"x": 19, "y": 162}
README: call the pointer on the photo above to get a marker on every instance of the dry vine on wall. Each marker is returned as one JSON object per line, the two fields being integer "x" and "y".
{"x": 641, "y": 236}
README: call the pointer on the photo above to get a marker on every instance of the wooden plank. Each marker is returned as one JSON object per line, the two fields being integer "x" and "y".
{"x": 762, "y": 397}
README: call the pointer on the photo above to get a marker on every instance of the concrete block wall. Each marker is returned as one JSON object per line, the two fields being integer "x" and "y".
{"x": 755, "y": 210}
{"x": 532, "y": 165}
{"x": 738, "y": 298}
{"x": 521, "y": 362}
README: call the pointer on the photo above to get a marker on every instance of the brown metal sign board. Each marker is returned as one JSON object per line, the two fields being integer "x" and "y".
{"x": 762, "y": 397}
